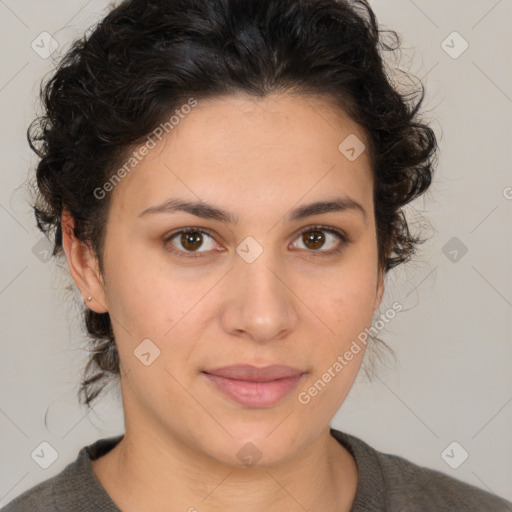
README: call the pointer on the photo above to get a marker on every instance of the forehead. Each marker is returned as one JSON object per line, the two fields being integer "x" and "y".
{"x": 253, "y": 151}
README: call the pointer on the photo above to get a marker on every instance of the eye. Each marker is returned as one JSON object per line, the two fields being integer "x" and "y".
{"x": 187, "y": 241}
{"x": 190, "y": 239}
{"x": 316, "y": 237}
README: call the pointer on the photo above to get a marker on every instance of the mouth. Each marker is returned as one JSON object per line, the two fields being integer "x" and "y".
{"x": 255, "y": 387}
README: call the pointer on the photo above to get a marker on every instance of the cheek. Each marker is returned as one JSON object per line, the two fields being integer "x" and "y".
{"x": 137, "y": 289}
{"x": 347, "y": 309}
{"x": 347, "y": 299}
{"x": 133, "y": 303}
{"x": 148, "y": 302}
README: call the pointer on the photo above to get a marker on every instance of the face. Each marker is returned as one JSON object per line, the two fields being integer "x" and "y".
{"x": 267, "y": 282}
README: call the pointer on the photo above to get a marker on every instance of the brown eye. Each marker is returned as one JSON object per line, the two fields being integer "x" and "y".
{"x": 313, "y": 239}
{"x": 321, "y": 240}
{"x": 189, "y": 241}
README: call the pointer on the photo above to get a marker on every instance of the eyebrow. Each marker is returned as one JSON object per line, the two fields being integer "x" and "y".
{"x": 208, "y": 211}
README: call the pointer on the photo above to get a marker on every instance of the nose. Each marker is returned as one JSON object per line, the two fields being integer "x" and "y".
{"x": 260, "y": 305}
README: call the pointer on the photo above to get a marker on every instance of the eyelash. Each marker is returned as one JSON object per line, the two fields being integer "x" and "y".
{"x": 344, "y": 240}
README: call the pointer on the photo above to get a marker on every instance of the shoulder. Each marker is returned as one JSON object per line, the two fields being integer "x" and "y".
{"x": 429, "y": 489}
{"x": 394, "y": 483}
{"x": 40, "y": 498}
{"x": 74, "y": 488}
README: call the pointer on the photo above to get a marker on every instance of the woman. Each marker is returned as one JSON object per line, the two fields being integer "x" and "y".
{"x": 226, "y": 180}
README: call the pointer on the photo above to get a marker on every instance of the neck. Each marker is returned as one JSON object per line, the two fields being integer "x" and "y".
{"x": 150, "y": 472}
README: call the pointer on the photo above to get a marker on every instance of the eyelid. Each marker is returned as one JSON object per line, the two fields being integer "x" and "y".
{"x": 342, "y": 236}
{"x": 344, "y": 240}
{"x": 188, "y": 229}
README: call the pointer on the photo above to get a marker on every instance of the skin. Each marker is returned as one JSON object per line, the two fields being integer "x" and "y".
{"x": 258, "y": 159}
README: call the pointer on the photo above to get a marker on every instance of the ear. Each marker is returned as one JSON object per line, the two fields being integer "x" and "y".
{"x": 83, "y": 266}
{"x": 380, "y": 289}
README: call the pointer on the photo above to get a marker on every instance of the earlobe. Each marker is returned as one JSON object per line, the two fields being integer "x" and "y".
{"x": 83, "y": 266}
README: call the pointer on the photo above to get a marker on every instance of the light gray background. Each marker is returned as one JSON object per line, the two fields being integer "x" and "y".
{"x": 453, "y": 379}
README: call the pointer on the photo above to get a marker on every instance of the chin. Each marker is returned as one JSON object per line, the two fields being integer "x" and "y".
{"x": 255, "y": 444}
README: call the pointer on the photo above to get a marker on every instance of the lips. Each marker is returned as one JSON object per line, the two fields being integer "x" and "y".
{"x": 253, "y": 374}
{"x": 255, "y": 387}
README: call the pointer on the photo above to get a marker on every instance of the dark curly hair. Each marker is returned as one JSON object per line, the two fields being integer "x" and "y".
{"x": 121, "y": 80}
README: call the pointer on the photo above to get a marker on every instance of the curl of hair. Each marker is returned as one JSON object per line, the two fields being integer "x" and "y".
{"x": 146, "y": 58}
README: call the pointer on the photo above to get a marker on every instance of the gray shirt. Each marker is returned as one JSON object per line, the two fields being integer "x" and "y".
{"x": 387, "y": 483}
